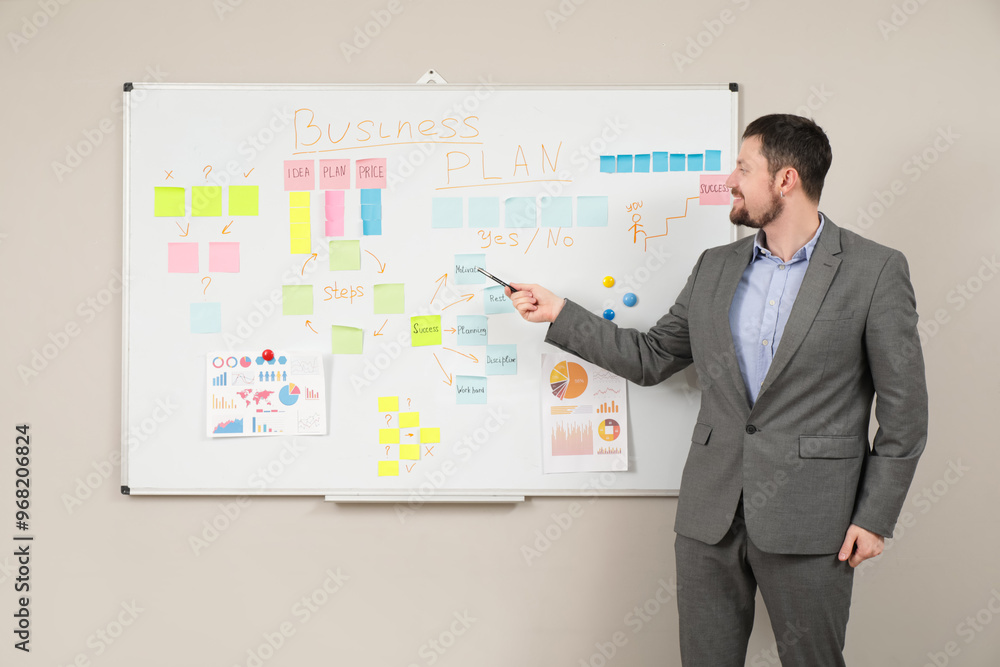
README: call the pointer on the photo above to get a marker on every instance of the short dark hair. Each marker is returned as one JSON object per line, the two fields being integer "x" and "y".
{"x": 796, "y": 142}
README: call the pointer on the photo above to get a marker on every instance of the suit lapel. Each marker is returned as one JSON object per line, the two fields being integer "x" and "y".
{"x": 729, "y": 280}
{"x": 822, "y": 268}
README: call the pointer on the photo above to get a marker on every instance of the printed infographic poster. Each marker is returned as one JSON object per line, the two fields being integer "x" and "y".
{"x": 248, "y": 395}
{"x": 584, "y": 417}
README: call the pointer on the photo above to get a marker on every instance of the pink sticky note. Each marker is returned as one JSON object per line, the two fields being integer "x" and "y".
{"x": 223, "y": 257}
{"x": 334, "y": 174}
{"x": 335, "y": 199}
{"x": 334, "y": 222}
{"x": 182, "y": 258}
{"x": 713, "y": 189}
{"x": 370, "y": 173}
{"x": 300, "y": 175}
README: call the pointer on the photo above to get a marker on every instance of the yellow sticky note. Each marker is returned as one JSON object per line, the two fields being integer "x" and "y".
{"x": 430, "y": 435}
{"x": 243, "y": 200}
{"x": 298, "y": 199}
{"x": 425, "y": 330}
{"x": 410, "y": 452}
{"x": 298, "y": 214}
{"x": 389, "y": 436}
{"x": 301, "y": 246}
{"x": 388, "y": 403}
{"x": 388, "y": 468}
{"x": 409, "y": 419}
{"x": 168, "y": 202}
{"x": 299, "y": 230}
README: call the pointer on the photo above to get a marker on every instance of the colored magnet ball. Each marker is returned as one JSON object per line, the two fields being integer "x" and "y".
{"x": 609, "y": 314}
{"x": 609, "y": 281}
{"x": 630, "y": 299}
{"x": 268, "y": 355}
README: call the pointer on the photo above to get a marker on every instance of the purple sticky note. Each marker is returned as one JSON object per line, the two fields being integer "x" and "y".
{"x": 370, "y": 173}
{"x": 713, "y": 190}
{"x": 182, "y": 258}
{"x": 334, "y": 174}
{"x": 300, "y": 175}
{"x": 223, "y": 257}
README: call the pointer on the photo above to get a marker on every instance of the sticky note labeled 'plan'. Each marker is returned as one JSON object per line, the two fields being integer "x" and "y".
{"x": 300, "y": 175}
{"x": 496, "y": 301}
{"x": 223, "y": 257}
{"x": 388, "y": 468}
{"x": 409, "y": 452}
{"x": 206, "y": 317}
{"x": 425, "y": 330}
{"x": 182, "y": 258}
{"x": 713, "y": 190}
{"x": 388, "y": 403}
{"x": 296, "y": 299}
{"x": 206, "y": 200}
{"x": 389, "y": 299}
{"x": 471, "y": 329}
{"x": 345, "y": 255}
{"x": 467, "y": 269}
{"x": 501, "y": 359}
{"x": 347, "y": 340}
{"x": 470, "y": 390}
{"x": 334, "y": 174}
{"x": 370, "y": 173}
{"x": 243, "y": 200}
{"x": 168, "y": 202}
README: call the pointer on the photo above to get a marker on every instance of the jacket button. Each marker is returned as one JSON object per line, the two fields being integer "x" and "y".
{"x": 751, "y": 429}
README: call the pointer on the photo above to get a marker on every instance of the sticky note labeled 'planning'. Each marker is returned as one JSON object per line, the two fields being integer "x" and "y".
{"x": 501, "y": 359}
{"x": 470, "y": 390}
{"x": 496, "y": 301}
{"x": 347, "y": 340}
{"x": 425, "y": 330}
{"x": 472, "y": 329}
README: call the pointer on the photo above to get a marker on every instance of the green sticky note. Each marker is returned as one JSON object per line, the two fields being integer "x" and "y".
{"x": 425, "y": 330}
{"x": 345, "y": 255}
{"x": 296, "y": 299}
{"x": 346, "y": 340}
{"x": 389, "y": 299}
{"x": 242, "y": 200}
{"x": 168, "y": 202}
{"x": 206, "y": 200}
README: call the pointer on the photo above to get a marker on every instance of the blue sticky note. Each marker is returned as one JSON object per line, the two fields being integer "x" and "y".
{"x": 470, "y": 390}
{"x": 496, "y": 301}
{"x": 661, "y": 161}
{"x": 642, "y": 163}
{"x": 501, "y": 359}
{"x": 371, "y": 227}
{"x": 520, "y": 212}
{"x": 556, "y": 211}
{"x": 624, "y": 164}
{"x": 472, "y": 329}
{"x": 695, "y": 160}
{"x": 713, "y": 160}
{"x": 591, "y": 211}
{"x": 466, "y": 272}
{"x": 678, "y": 161}
{"x": 607, "y": 164}
{"x": 206, "y": 317}
{"x": 371, "y": 196}
{"x": 484, "y": 212}
{"x": 446, "y": 212}
{"x": 371, "y": 211}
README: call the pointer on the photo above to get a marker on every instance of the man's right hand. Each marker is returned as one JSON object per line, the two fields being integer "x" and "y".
{"x": 535, "y": 303}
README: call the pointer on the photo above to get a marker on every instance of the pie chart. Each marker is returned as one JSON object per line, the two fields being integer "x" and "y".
{"x": 245, "y": 362}
{"x": 289, "y": 394}
{"x": 609, "y": 429}
{"x": 568, "y": 380}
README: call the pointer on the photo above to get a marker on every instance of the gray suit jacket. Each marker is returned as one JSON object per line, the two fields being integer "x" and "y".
{"x": 800, "y": 455}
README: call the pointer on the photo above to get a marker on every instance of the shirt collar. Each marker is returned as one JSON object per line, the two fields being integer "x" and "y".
{"x": 805, "y": 252}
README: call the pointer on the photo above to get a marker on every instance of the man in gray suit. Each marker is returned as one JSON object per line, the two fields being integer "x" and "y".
{"x": 792, "y": 333}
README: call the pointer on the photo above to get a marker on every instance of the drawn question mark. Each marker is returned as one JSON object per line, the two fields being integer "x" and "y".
{"x": 408, "y": 402}
{"x": 206, "y": 286}
{"x": 387, "y": 450}
{"x": 388, "y": 418}
{"x": 207, "y": 170}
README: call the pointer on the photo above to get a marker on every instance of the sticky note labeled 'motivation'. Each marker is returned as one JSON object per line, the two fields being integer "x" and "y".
{"x": 467, "y": 269}
{"x": 425, "y": 330}
{"x": 470, "y": 390}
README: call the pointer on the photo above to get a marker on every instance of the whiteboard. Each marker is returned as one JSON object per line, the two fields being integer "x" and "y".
{"x": 452, "y": 155}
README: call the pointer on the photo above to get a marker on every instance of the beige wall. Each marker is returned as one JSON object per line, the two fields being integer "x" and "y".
{"x": 882, "y": 97}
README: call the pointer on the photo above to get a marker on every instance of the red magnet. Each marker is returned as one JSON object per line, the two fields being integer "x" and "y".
{"x": 267, "y": 355}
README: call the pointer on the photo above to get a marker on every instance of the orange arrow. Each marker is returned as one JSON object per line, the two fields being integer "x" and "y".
{"x": 379, "y": 332}
{"x": 467, "y": 356}
{"x": 465, "y": 297}
{"x": 226, "y": 228}
{"x": 446, "y": 373}
{"x": 381, "y": 266}
{"x": 445, "y": 279}
{"x": 451, "y": 330}
{"x": 309, "y": 324}
{"x": 311, "y": 258}
{"x": 184, "y": 229}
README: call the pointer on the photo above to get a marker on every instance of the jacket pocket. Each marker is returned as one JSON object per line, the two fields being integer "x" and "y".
{"x": 835, "y": 315}
{"x": 701, "y": 433}
{"x": 830, "y": 446}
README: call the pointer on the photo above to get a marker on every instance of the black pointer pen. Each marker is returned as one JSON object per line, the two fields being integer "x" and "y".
{"x": 493, "y": 277}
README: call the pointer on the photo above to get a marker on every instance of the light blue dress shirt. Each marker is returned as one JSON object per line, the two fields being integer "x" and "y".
{"x": 760, "y": 308}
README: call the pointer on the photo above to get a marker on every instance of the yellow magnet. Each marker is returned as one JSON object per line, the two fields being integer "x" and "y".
{"x": 609, "y": 281}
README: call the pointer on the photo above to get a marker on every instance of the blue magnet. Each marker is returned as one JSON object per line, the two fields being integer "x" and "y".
{"x": 609, "y": 314}
{"x": 630, "y": 299}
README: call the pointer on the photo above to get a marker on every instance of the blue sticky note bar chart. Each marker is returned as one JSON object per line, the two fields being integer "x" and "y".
{"x": 642, "y": 163}
{"x": 607, "y": 164}
{"x": 695, "y": 162}
{"x": 713, "y": 160}
{"x": 661, "y": 161}
{"x": 678, "y": 161}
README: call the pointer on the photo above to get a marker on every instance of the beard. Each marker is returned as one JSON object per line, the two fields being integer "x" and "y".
{"x": 741, "y": 217}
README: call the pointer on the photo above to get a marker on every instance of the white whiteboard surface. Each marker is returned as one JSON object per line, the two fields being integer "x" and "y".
{"x": 186, "y": 135}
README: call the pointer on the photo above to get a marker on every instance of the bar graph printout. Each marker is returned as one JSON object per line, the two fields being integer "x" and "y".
{"x": 584, "y": 417}
{"x": 249, "y": 396}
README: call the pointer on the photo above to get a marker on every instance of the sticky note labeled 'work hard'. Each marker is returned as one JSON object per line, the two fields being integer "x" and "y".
{"x": 425, "y": 330}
